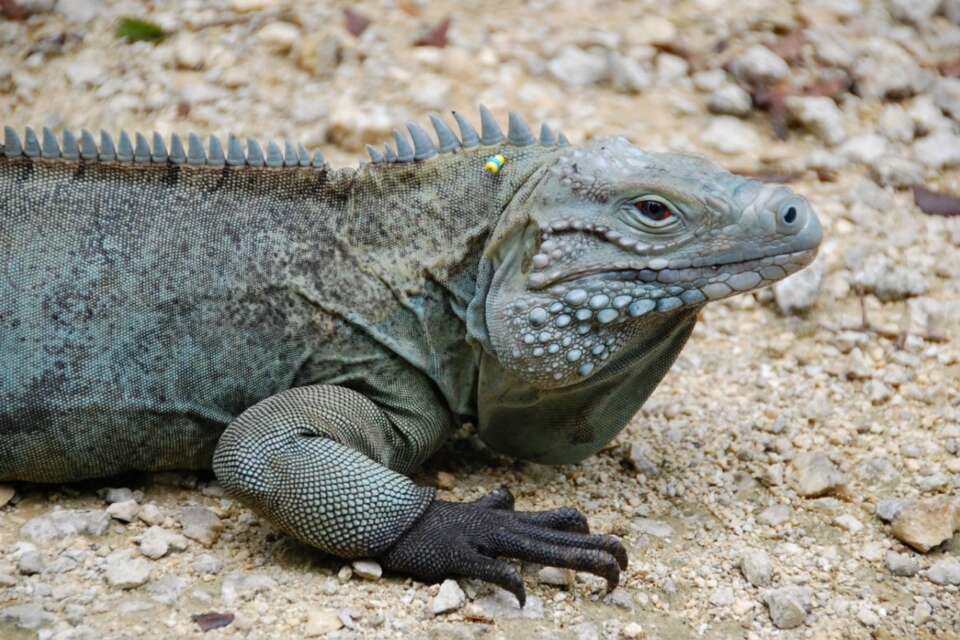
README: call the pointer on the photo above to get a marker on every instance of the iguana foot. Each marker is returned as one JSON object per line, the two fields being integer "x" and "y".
{"x": 466, "y": 539}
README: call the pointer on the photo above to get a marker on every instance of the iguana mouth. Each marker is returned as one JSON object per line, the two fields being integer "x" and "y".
{"x": 788, "y": 262}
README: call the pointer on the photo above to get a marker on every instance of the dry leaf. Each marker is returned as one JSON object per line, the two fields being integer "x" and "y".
{"x": 936, "y": 204}
{"x": 12, "y": 10}
{"x": 435, "y": 37}
{"x": 950, "y": 69}
{"x": 790, "y": 46}
{"x": 771, "y": 99}
{"x": 829, "y": 86}
{"x": 212, "y": 620}
{"x": 356, "y": 22}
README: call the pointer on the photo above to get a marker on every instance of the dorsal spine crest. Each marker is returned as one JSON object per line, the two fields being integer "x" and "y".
{"x": 138, "y": 148}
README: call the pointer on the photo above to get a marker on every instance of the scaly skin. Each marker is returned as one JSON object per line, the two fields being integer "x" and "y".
{"x": 314, "y": 334}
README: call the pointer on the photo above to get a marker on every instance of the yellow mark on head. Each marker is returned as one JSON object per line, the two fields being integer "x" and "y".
{"x": 494, "y": 163}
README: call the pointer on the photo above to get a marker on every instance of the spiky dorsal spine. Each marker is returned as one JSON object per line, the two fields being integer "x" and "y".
{"x": 233, "y": 154}
{"x": 519, "y": 135}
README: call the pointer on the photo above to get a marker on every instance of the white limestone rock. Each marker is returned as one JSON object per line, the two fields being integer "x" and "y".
{"x": 449, "y": 598}
{"x": 788, "y": 606}
{"x": 820, "y": 115}
{"x": 759, "y": 64}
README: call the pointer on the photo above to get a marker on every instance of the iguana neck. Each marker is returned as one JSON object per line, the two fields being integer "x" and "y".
{"x": 421, "y": 230}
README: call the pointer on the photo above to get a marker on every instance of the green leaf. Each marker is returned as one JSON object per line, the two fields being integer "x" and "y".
{"x": 137, "y": 30}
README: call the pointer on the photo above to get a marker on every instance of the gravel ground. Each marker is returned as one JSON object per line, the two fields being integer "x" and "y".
{"x": 797, "y": 474}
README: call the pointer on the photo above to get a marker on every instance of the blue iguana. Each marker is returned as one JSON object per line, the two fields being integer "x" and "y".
{"x": 314, "y": 334}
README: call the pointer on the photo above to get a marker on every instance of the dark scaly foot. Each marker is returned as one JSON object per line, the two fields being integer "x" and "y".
{"x": 467, "y": 539}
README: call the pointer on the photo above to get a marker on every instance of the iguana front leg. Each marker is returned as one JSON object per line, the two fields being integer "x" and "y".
{"x": 316, "y": 462}
{"x": 319, "y": 463}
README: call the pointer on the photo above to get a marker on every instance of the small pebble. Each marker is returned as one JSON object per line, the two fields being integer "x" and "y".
{"x": 640, "y": 458}
{"x": 848, "y": 522}
{"x": 722, "y": 597}
{"x": 446, "y": 480}
{"x": 124, "y": 511}
{"x": 730, "y": 136}
{"x": 330, "y": 586}
{"x": 556, "y": 576}
{"x": 239, "y": 586}
{"x": 813, "y": 474}
{"x": 620, "y": 597}
{"x": 156, "y": 542}
{"x": 150, "y": 514}
{"x": 820, "y": 115}
{"x": 760, "y": 65}
{"x": 867, "y": 616}
{"x": 126, "y": 572}
{"x": 320, "y": 622}
{"x": 922, "y": 613}
{"x": 30, "y": 562}
{"x": 656, "y": 528}
{"x": 207, "y": 563}
{"x": 901, "y": 564}
{"x": 573, "y": 66}
{"x": 926, "y": 522}
{"x": 190, "y": 54}
{"x": 201, "y": 524}
{"x": 944, "y": 571}
{"x": 367, "y": 569}
{"x": 888, "y": 508}
{"x": 279, "y": 37}
{"x": 503, "y": 604}
{"x": 114, "y": 495}
{"x": 731, "y": 100}
{"x": 774, "y": 515}
{"x": 788, "y": 606}
{"x": 450, "y": 597}
{"x": 757, "y": 567}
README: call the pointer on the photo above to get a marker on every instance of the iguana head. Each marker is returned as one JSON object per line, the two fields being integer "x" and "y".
{"x": 617, "y": 239}
{"x": 600, "y": 265}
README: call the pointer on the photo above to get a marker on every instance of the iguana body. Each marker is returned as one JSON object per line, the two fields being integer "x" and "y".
{"x": 313, "y": 334}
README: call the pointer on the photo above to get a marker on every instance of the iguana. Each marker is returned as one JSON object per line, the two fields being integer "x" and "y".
{"x": 314, "y": 334}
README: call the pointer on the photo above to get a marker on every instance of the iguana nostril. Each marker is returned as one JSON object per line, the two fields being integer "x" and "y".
{"x": 791, "y": 216}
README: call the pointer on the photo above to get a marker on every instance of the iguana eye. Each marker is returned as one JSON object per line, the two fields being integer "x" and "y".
{"x": 653, "y": 212}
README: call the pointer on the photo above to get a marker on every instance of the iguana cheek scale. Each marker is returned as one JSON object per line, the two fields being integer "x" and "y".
{"x": 313, "y": 334}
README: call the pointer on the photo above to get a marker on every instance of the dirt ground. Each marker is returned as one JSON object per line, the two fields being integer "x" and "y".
{"x": 747, "y": 490}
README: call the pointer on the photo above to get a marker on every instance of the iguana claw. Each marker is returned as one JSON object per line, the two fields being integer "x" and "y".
{"x": 467, "y": 540}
